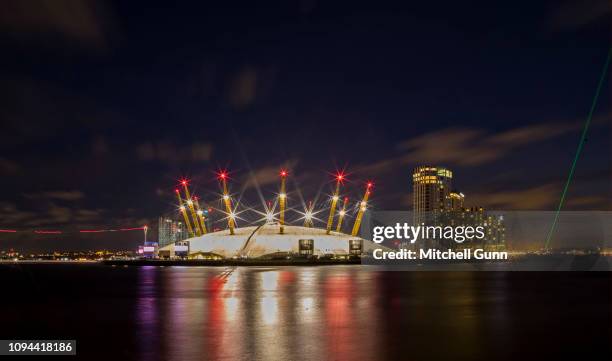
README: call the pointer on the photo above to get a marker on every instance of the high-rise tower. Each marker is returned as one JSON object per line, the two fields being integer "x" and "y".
{"x": 431, "y": 193}
{"x": 456, "y": 200}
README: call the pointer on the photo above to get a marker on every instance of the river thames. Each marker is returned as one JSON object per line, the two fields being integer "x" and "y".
{"x": 307, "y": 313}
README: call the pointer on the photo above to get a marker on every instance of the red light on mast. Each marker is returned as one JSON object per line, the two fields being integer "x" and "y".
{"x": 283, "y": 173}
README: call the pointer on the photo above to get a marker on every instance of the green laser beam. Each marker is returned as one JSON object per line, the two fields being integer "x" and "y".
{"x": 587, "y": 124}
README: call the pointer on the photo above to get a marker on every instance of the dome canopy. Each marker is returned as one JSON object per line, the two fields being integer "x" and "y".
{"x": 257, "y": 241}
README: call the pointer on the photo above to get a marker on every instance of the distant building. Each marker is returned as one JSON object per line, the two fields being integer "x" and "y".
{"x": 435, "y": 204}
{"x": 456, "y": 200}
{"x": 432, "y": 187}
{"x": 494, "y": 229}
{"x": 171, "y": 231}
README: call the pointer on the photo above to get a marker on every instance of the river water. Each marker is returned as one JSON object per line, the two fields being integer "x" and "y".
{"x": 307, "y": 313}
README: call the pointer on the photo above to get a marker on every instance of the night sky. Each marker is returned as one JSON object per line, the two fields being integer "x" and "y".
{"x": 105, "y": 105}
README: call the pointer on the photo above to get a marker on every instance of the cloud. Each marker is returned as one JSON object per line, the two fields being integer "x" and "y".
{"x": 8, "y": 167}
{"x": 467, "y": 146}
{"x": 242, "y": 88}
{"x": 267, "y": 175}
{"x": 578, "y": 13}
{"x": 87, "y": 215}
{"x": 169, "y": 152}
{"x": 55, "y": 214}
{"x": 588, "y": 202}
{"x": 32, "y": 110}
{"x": 531, "y": 134}
{"x": 99, "y": 146}
{"x": 541, "y": 197}
{"x": 248, "y": 85}
{"x": 51, "y": 214}
{"x": 84, "y": 22}
{"x": 10, "y": 216}
{"x": 72, "y": 195}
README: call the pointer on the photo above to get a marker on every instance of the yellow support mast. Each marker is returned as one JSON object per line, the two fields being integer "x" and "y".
{"x": 341, "y": 214}
{"x": 189, "y": 201}
{"x": 335, "y": 197}
{"x": 282, "y": 200}
{"x": 362, "y": 208}
{"x": 184, "y": 213}
{"x": 228, "y": 202}
{"x": 200, "y": 214}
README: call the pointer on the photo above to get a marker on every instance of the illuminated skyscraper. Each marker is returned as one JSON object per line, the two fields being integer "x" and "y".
{"x": 431, "y": 193}
{"x": 456, "y": 200}
{"x": 434, "y": 204}
{"x": 170, "y": 231}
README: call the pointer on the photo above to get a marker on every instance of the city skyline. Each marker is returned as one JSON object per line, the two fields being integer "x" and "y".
{"x": 98, "y": 128}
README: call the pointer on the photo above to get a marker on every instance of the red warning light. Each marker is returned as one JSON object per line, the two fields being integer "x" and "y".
{"x": 283, "y": 173}
{"x": 176, "y": 190}
{"x": 184, "y": 182}
{"x": 370, "y": 185}
{"x": 222, "y": 175}
{"x": 340, "y": 177}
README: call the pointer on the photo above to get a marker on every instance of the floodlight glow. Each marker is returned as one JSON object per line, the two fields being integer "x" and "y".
{"x": 335, "y": 198}
{"x": 225, "y": 197}
{"x": 282, "y": 195}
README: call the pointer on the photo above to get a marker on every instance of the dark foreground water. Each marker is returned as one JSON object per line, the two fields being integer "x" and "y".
{"x": 308, "y": 313}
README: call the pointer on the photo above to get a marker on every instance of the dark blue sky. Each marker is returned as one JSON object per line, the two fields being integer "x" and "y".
{"x": 105, "y": 105}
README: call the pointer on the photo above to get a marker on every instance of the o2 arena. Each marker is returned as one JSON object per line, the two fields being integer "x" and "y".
{"x": 265, "y": 241}
{"x": 271, "y": 237}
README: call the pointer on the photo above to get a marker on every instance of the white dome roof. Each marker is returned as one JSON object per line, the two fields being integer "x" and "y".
{"x": 256, "y": 241}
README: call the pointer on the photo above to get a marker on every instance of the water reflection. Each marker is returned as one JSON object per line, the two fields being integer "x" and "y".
{"x": 309, "y": 313}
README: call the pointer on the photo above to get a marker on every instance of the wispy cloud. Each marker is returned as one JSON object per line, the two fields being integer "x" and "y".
{"x": 70, "y": 195}
{"x": 8, "y": 167}
{"x": 242, "y": 88}
{"x": 540, "y": 197}
{"x": 588, "y": 202}
{"x": 170, "y": 152}
{"x": 50, "y": 214}
{"x": 467, "y": 146}
{"x": 84, "y": 22}
{"x": 572, "y": 14}
{"x": 267, "y": 175}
